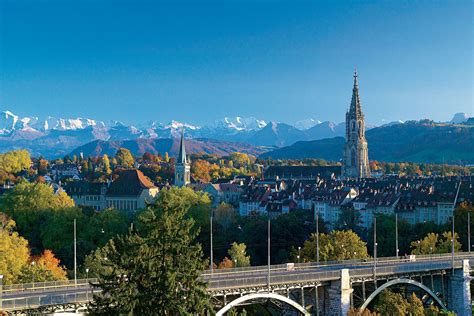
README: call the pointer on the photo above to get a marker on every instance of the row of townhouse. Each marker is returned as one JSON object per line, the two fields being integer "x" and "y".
{"x": 415, "y": 200}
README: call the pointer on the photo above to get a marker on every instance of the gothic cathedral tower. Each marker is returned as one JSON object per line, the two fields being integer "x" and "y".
{"x": 356, "y": 157}
{"x": 182, "y": 168}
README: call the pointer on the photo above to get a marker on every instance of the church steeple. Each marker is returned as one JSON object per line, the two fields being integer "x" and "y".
{"x": 182, "y": 168}
{"x": 355, "y": 107}
{"x": 182, "y": 149}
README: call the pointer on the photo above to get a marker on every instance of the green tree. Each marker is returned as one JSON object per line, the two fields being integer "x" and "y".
{"x": 124, "y": 158}
{"x": 225, "y": 215}
{"x": 155, "y": 270}
{"x": 337, "y": 245}
{"x": 349, "y": 219}
{"x": 26, "y": 203}
{"x": 238, "y": 254}
{"x": 390, "y": 303}
{"x": 433, "y": 243}
{"x": 461, "y": 220}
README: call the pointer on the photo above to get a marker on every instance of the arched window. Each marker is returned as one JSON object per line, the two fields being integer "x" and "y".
{"x": 353, "y": 126}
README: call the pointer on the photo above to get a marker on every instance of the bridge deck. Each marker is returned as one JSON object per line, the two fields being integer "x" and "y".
{"x": 55, "y": 293}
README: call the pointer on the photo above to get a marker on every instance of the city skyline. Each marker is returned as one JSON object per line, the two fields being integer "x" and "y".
{"x": 197, "y": 63}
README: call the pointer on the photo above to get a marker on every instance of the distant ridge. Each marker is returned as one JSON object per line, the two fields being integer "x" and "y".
{"x": 165, "y": 145}
{"x": 423, "y": 142}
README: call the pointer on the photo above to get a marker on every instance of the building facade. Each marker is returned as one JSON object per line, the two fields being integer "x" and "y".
{"x": 356, "y": 157}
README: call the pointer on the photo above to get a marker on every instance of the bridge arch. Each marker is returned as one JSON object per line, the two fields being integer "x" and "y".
{"x": 253, "y": 296}
{"x": 400, "y": 281}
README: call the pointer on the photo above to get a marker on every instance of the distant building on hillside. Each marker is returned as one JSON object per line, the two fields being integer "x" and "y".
{"x": 182, "y": 168}
{"x": 356, "y": 156}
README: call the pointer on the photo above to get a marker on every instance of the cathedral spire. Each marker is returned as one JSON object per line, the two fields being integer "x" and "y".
{"x": 182, "y": 149}
{"x": 355, "y": 107}
{"x": 356, "y": 158}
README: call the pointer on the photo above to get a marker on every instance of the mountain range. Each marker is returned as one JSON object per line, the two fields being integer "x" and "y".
{"x": 55, "y": 137}
{"x": 417, "y": 141}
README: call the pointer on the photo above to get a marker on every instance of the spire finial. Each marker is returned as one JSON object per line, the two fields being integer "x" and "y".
{"x": 355, "y": 77}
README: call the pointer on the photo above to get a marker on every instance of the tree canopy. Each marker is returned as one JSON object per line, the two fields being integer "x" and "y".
{"x": 337, "y": 245}
{"x": 238, "y": 254}
{"x": 124, "y": 158}
{"x": 433, "y": 243}
{"x": 155, "y": 269}
{"x": 16, "y": 263}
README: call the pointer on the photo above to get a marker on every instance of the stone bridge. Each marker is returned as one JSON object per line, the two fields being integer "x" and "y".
{"x": 307, "y": 288}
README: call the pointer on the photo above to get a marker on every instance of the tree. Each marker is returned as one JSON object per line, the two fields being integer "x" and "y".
{"x": 156, "y": 269}
{"x": 415, "y": 306}
{"x": 390, "y": 303}
{"x": 106, "y": 164}
{"x": 225, "y": 215}
{"x": 238, "y": 254}
{"x": 349, "y": 219}
{"x": 240, "y": 159}
{"x": 42, "y": 167}
{"x": 26, "y": 204}
{"x": 226, "y": 263}
{"x": 337, "y": 245}
{"x": 460, "y": 222}
{"x": 14, "y": 250}
{"x": 432, "y": 243}
{"x": 43, "y": 268}
{"x": 51, "y": 263}
{"x": 15, "y": 161}
{"x": 124, "y": 158}
{"x": 200, "y": 170}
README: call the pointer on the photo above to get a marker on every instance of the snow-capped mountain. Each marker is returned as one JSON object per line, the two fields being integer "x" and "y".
{"x": 307, "y": 123}
{"x": 459, "y": 118}
{"x": 53, "y": 137}
{"x": 240, "y": 123}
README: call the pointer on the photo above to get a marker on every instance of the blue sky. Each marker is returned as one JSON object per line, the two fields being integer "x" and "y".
{"x": 198, "y": 61}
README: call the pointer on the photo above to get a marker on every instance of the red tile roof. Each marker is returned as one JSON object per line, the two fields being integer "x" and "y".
{"x": 130, "y": 182}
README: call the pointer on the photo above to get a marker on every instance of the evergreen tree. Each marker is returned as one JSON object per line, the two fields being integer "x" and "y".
{"x": 155, "y": 270}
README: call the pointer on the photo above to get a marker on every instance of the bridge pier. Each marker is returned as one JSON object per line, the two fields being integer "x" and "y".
{"x": 340, "y": 292}
{"x": 459, "y": 289}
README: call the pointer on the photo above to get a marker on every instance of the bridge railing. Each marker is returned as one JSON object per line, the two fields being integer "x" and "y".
{"x": 262, "y": 280}
{"x": 259, "y": 279}
{"x": 19, "y": 303}
{"x": 48, "y": 285}
{"x": 253, "y": 270}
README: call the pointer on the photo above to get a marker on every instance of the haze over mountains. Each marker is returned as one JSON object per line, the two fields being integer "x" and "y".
{"x": 55, "y": 137}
